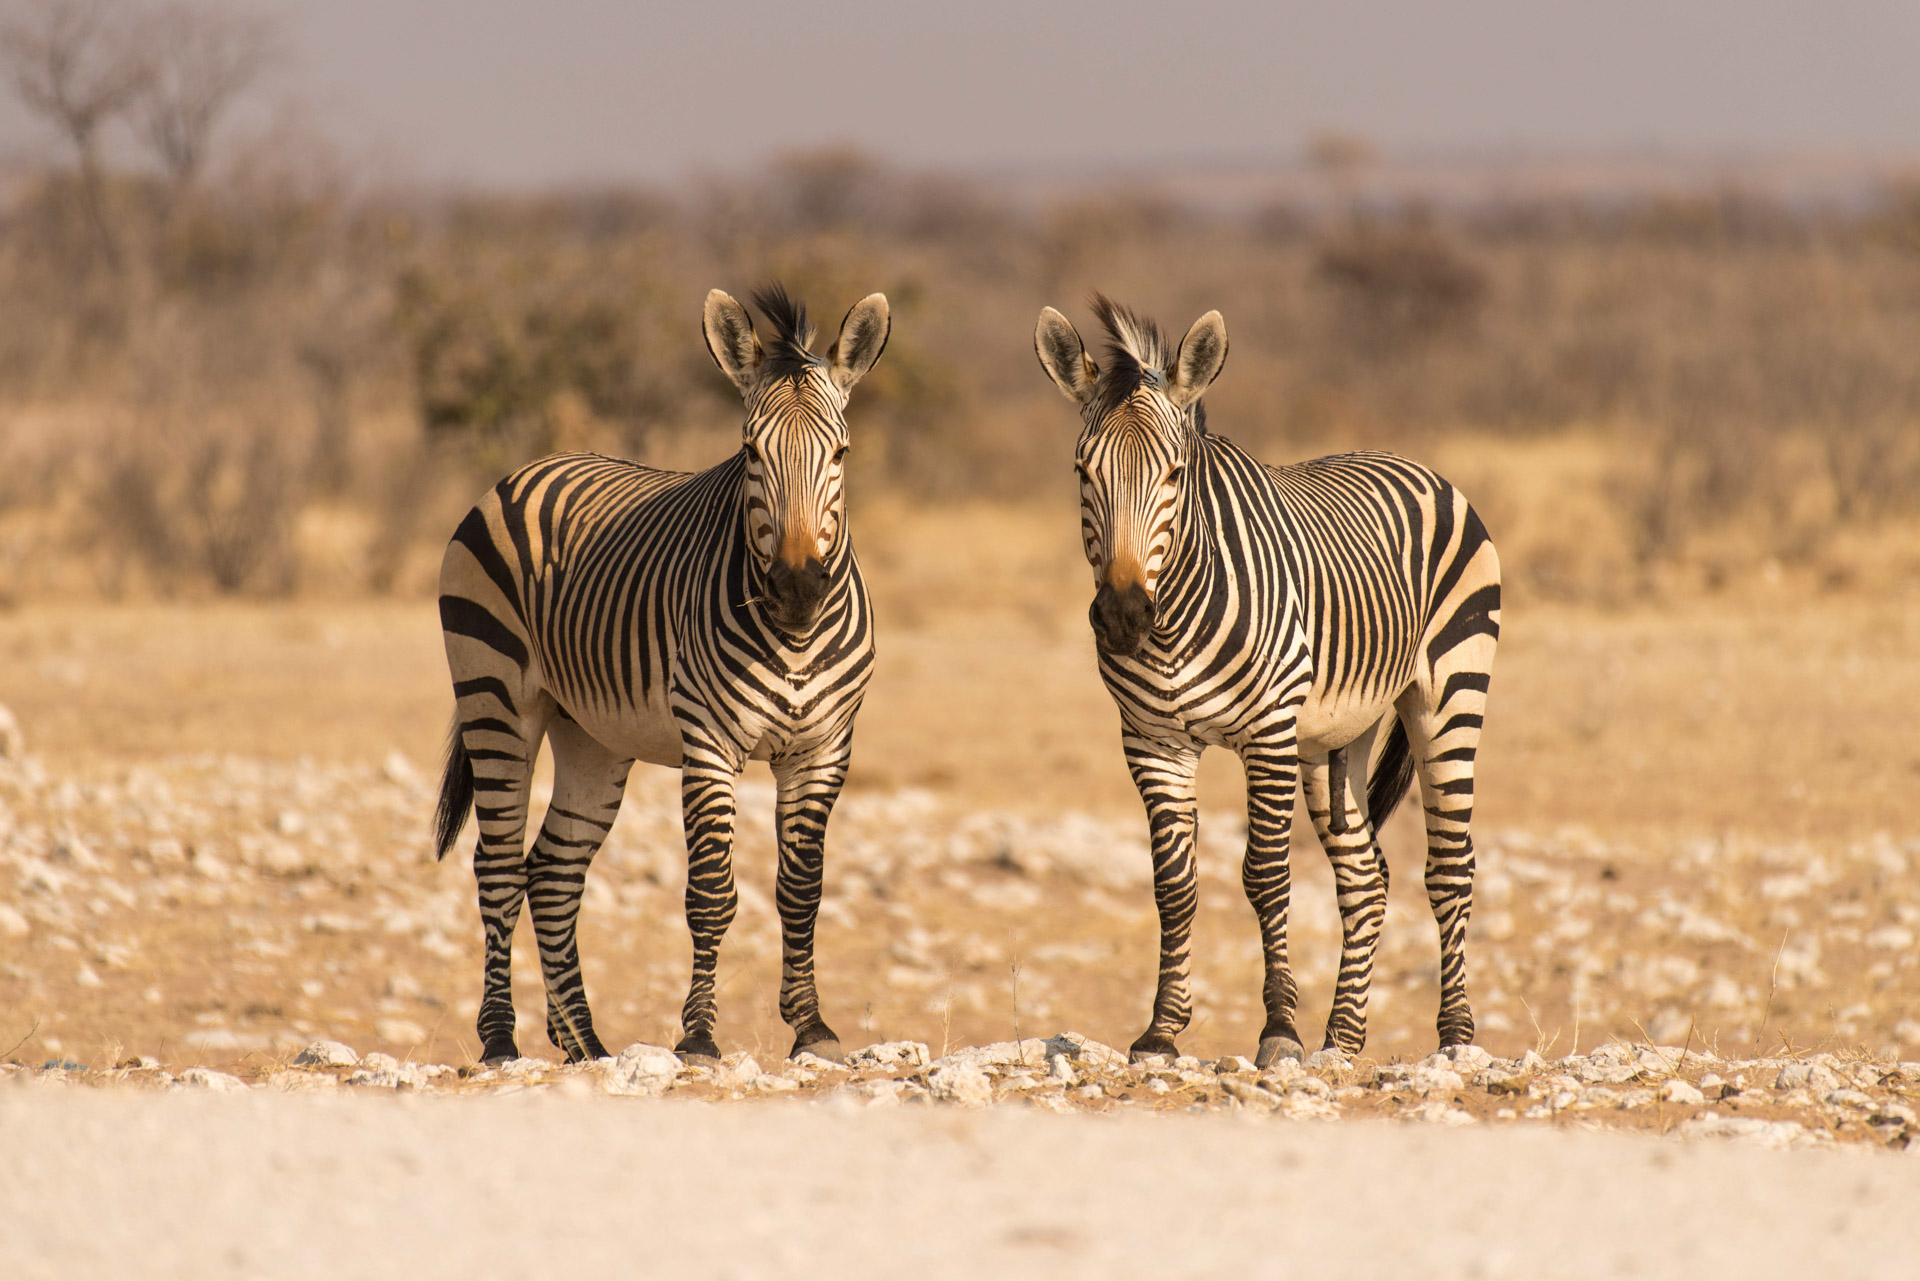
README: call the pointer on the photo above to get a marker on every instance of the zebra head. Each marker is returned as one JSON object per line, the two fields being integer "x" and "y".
{"x": 1142, "y": 417}
{"x": 795, "y": 438}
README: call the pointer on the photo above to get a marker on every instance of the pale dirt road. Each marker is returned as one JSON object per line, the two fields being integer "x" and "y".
{"x": 99, "y": 1184}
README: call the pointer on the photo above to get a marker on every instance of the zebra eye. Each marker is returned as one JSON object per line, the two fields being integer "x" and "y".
{"x": 1173, "y": 477}
{"x": 840, "y": 454}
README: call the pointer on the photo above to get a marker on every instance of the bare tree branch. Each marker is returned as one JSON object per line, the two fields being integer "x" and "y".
{"x": 74, "y": 64}
{"x": 198, "y": 61}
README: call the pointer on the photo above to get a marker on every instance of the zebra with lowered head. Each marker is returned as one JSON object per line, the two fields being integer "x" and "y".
{"x": 626, "y": 614}
{"x": 1289, "y": 614}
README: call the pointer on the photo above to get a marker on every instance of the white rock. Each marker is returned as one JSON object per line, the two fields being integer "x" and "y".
{"x": 1084, "y": 1051}
{"x": 769, "y": 1083}
{"x": 1470, "y": 1058}
{"x": 812, "y": 1062}
{"x": 1435, "y": 1080}
{"x": 1302, "y": 1105}
{"x": 1532, "y": 1062}
{"x": 1599, "y": 1071}
{"x": 1235, "y": 1063}
{"x": 1440, "y": 1112}
{"x": 1030, "y": 1052}
{"x": 737, "y": 1071}
{"x": 1849, "y": 1099}
{"x": 1158, "y": 1086}
{"x": 1060, "y": 1070}
{"x": 1817, "y": 1077}
{"x": 1678, "y": 1091}
{"x": 13, "y": 923}
{"x": 641, "y": 1069}
{"x": 962, "y": 1083}
{"x": 1283, "y": 1071}
{"x": 1329, "y": 1059}
{"x": 199, "y": 1078}
{"x": 889, "y": 1055}
{"x": 1766, "y": 1134}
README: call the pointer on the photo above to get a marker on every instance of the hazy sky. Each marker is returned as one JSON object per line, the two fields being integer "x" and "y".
{"x": 506, "y": 92}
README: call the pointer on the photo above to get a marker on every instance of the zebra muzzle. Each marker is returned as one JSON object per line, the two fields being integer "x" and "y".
{"x": 793, "y": 596}
{"x": 1121, "y": 619}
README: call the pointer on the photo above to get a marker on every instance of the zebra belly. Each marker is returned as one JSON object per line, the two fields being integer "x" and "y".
{"x": 1326, "y": 724}
{"x": 646, "y": 732}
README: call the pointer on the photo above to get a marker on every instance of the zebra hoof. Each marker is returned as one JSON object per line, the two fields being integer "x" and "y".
{"x": 589, "y": 1048}
{"x": 1274, "y": 1048}
{"x": 698, "y": 1051}
{"x": 828, "y": 1049}
{"x": 494, "y": 1053}
{"x": 1149, "y": 1045}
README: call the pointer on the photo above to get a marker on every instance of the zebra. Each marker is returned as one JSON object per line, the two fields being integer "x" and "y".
{"x": 1288, "y": 613}
{"x": 698, "y": 620}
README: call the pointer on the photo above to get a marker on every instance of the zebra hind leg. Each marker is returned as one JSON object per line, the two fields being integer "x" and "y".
{"x": 807, "y": 796}
{"x": 1445, "y": 743}
{"x": 1336, "y": 794}
{"x": 502, "y": 759}
{"x": 588, "y": 784}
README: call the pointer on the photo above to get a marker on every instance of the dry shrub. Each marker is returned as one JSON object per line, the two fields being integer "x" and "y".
{"x": 219, "y": 507}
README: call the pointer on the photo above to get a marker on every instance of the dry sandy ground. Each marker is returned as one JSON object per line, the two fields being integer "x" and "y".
{"x": 259, "y": 1186}
{"x": 1695, "y": 830}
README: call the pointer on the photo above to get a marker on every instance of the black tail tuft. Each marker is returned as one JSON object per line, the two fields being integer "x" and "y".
{"x": 1391, "y": 777}
{"x": 456, "y": 795}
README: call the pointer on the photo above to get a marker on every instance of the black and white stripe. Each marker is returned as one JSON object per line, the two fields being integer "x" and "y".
{"x": 1289, "y": 614}
{"x": 622, "y": 613}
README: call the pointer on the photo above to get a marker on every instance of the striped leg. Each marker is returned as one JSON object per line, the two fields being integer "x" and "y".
{"x": 588, "y": 785}
{"x": 502, "y": 754}
{"x": 1336, "y": 800}
{"x": 1273, "y": 777}
{"x": 1164, "y": 774}
{"x": 706, "y": 799}
{"x": 807, "y": 795}
{"x": 1445, "y": 740}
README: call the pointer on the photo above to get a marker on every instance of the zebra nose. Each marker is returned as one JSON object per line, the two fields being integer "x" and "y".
{"x": 1121, "y": 619}
{"x": 796, "y": 592}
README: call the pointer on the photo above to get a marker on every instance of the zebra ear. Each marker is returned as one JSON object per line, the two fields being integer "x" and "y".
{"x": 1202, "y": 352}
{"x": 863, "y": 336}
{"x": 730, "y": 337}
{"x": 1064, "y": 356}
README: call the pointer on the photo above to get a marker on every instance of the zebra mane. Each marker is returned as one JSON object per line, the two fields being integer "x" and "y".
{"x": 789, "y": 348}
{"x": 1137, "y": 351}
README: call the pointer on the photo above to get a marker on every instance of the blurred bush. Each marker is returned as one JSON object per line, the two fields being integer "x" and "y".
{"x": 221, "y": 349}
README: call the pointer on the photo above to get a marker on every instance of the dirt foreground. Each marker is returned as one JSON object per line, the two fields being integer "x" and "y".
{"x": 196, "y": 1185}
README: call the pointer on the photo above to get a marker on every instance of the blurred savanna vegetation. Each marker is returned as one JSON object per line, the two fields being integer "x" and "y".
{"x": 233, "y": 362}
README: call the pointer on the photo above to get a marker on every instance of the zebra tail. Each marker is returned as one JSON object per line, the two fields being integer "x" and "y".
{"x": 456, "y": 795}
{"x": 1391, "y": 777}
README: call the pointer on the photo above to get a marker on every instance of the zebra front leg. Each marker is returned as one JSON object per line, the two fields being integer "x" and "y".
{"x": 1336, "y": 801}
{"x": 1164, "y": 774}
{"x": 588, "y": 784}
{"x": 1273, "y": 775}
{"x": 807, "y": 796}
{"x": 706, "y": 798}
